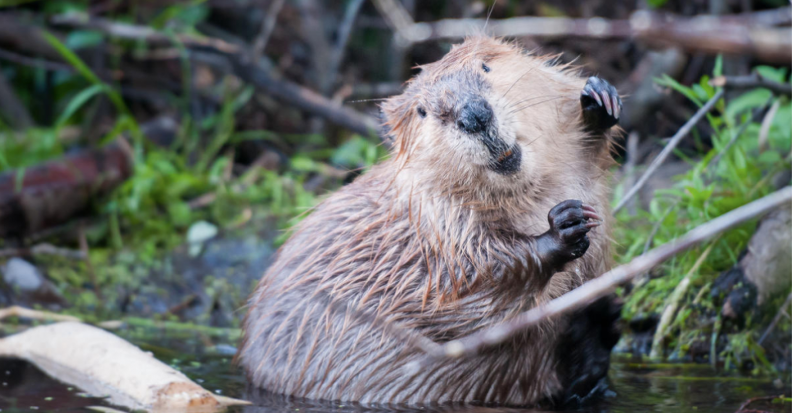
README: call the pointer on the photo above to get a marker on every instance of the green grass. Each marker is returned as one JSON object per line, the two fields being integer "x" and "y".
{"x": 740, "y": 176}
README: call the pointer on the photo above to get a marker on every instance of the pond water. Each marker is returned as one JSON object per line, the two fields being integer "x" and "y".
{"x": 634, "y": 386}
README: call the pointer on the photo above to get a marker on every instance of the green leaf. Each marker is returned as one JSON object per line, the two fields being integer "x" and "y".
{"x": 771, "y": 73}
{"x": 81, "y": 39}
{"x": 718, "y": 69}
{"x": 746, "y": 102}
{"x": 76, "y": 103}
{"x": 86, "y": 72}
{"x": 670, "y": 82}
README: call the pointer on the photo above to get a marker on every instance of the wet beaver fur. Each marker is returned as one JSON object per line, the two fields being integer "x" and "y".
{"x": 485, "y": 209}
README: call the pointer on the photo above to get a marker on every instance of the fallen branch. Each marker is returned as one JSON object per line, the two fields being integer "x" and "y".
{"x": 754, "y": 80}
{"x": 242, "y": 65}
{"x": 267, "y": 26}
{"x": 12, "y": 108}
{"x": 603, "y": 285}
{"x": 750, "y": 401}
{"x": 305, "y": 99}
{"x": 339, "y": 49}
{"x": 51, "y": 193}
{"x": 668, "y": 149}
{"x": 748, "y": 34}
{"x": 135, "y": 32}
{"x": 43, "y": 249}
{"x": 26, "y": 313}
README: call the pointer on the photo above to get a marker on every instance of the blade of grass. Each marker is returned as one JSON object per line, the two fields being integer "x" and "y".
{"x": 91, "y": 77}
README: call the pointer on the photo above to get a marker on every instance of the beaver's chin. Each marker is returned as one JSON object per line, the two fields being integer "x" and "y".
{"x": 508, "y": 162}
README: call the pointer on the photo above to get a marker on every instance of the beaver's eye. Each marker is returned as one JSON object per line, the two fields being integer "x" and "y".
{"x": 421, "y": 112}
{"x": 485, "y": 67}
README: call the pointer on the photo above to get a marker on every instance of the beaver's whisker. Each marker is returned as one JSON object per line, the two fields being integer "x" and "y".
{"x": 534, "y": 104}
{"x": 511, "y": 105}
{"x": 518, "y": 79}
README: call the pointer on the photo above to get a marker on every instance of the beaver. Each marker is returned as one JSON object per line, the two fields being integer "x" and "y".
{"x": 486, "y": 208}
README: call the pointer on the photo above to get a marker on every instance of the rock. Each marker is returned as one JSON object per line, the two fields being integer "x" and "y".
{"x": 198, "y": 234}
{"x": 29, "y": 286}
{"x": 764, "y": 270}
{"x": 767, "y": 263}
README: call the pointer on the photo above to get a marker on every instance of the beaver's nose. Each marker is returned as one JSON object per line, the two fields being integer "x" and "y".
{"x": 475, "y": 116}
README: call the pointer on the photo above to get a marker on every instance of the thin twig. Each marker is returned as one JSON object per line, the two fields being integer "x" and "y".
{"x": 754, "y": 116}
{"x": 668, "y": 149}
{"x": 603, "y": 285}
{"x": 754, "y": 80}
{"x": 397, "y": 17}
{"x": 777, "y": 318}
{"x": 753, "y": 400}
{"x": 267, "y": 26}
{"x": 352, "y": 10}
{"x": 673, "y": 304}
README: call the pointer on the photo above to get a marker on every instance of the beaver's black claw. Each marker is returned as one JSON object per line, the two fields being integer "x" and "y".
{"x": 570, "y": 221}
{"x": 601, "y": 105}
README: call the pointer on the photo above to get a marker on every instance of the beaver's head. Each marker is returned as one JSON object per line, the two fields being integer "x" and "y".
{"x": 488, "y": 112}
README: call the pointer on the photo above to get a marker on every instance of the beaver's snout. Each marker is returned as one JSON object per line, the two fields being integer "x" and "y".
{"x": 475, "y": 116}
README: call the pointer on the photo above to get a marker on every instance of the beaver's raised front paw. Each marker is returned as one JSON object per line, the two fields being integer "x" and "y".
{"x": 569, "y": 226}
{"x": 601, "y": 105}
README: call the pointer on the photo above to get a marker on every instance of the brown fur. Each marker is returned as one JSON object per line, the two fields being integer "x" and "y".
{"x": 432, "y": 242}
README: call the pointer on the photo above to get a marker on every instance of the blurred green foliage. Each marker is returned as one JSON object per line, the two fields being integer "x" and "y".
{"x": 742, "y": 174}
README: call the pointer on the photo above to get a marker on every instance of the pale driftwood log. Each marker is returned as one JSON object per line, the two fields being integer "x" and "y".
{"x": 103, "y": 364}
{"x": 749, "y": 34}
{"x": 603, "y": 285}
{"x": 672, "y": 143}
{"x": 26, "y": 313}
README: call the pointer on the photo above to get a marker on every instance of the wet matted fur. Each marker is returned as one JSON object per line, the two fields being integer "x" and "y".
{"x": 434, "y": 242}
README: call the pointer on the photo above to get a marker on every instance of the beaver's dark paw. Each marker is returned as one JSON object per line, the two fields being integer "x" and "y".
{"x": 601, "y": 105}
{"x": 569, "y": 226}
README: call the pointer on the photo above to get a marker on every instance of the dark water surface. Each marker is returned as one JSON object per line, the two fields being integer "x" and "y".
{"x": 634, "y": 386}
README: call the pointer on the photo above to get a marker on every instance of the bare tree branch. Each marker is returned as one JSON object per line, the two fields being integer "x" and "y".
{"x": 352, "y": 10}
{"x": 15, "y": 112}
{"x": 44, "y": 249}
{"x": 267, "y": 26}
{"x": 135, "y": 32}
{"x": 754, "y": 80}
{"x": 603, "y": 285}
{"x": 305, "y": 99}
{"x": 241, "y": 65}
{"x": 748, "y": 34}
{"x": 668, "y": 149}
